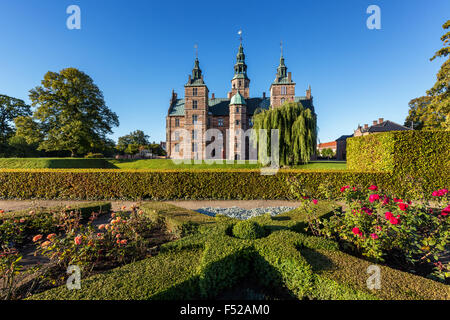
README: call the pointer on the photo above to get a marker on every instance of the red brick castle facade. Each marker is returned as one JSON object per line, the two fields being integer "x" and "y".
{"x": 198, "y": 112}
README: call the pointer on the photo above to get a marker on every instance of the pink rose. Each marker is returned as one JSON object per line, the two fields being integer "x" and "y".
{"x": 374, "y": 236}
{"x": 388, "y": 215}
{"x": 315, "y": 201}
{"x": 394, "y": 220}
{"x": 374, "y": 197}
{"x": 373, "y": 188}
{"x": 78, "y": 240}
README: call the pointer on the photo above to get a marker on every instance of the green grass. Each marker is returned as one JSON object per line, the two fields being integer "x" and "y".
{"x": 163, "y": 164}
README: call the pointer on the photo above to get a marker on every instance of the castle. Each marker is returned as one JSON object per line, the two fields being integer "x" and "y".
{"x": 230, "y": 116}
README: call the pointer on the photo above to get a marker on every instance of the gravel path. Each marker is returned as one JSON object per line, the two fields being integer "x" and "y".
{"x": 12, "y": 205}
{"x": 243, "y": 214}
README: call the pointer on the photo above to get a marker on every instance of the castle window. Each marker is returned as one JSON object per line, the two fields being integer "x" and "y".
{"x": 237, "y": 109}
{"x": 177, "y": 122}
{"x": 194, "y": 91}
{"x": 194, "y": 119}
{"x": 177, "y": 135}
{"x": 283, "y": 90}
{"x": 194, "y": 147}
{"x": 194, "y": 134}
{"x": 194, "y": 104}
{"x": 220, "y": 122}
{"x": 239, "y": 83}
{"x": 237, "y": 122}
{"x": 177, "y": 147}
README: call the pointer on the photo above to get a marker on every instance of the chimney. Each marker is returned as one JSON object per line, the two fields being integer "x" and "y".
{"x": 174, "y": 97}
{"x": 375, "y": 122}
{"x": 213, "y": 96}
{"x": 366, "y": 126}
{"x": 189, "y": 81}
{"x": 264, "y": 95}
{"x": 380, "y": 120}
{"x": 308, "y": 93}
{"x": 289, "y": 76}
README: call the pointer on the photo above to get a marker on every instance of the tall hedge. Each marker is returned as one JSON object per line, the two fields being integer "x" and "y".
{"x": 172, "y": 184}
{"x": 416, "y": 159}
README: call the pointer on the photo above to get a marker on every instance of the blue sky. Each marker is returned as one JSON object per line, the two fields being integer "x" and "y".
{"x": 138, "y": 51}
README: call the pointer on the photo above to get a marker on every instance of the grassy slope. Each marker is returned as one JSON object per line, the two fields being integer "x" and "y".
{"x": 61, "y": 163}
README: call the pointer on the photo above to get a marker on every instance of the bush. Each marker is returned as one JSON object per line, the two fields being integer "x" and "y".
{"x": 173, "y": 184}
{"x": 382, "y": 227}
{"x": 248, "y": 229}
{"x": 18, "y": 226}
{"x": 417, "y": 160}
{"x": 91, "y": 155}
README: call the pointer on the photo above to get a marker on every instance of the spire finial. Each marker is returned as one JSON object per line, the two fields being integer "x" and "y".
{"x": 196, "y": 50}
{"x": 240, "y": 35}
{"x": 281, "y": 47}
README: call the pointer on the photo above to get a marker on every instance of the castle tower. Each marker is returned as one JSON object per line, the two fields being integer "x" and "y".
{"x": 283, "y": 88}
{"x": 240, "y": 82}
{"x": 196, "y": 112}
{"x": 238, "y": 124}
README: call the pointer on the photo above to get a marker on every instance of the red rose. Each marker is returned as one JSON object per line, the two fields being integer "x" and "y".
{"x": 394, "y": 220}
{"x": 403, "y": 206}
{"x": 374, "y": 197}
{"x": 388, "y": 215}
{"x": 373, "y": 188}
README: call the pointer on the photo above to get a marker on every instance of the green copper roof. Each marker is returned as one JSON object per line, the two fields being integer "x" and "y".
{"x": 238, "y": 99}
{"x": 282, "y": 75}
{"x": 197, "y": 78}
{"x": 240, "y": 68}
{"x": 221, "y": 106}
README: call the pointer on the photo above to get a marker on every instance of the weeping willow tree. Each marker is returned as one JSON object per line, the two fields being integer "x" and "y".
{"x": 297, "y": 131}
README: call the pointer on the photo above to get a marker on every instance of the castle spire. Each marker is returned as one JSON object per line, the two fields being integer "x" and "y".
{"x": 240, "y": 68}
{"x": 197, "y": 77}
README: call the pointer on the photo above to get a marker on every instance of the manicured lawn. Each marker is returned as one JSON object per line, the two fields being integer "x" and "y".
{"x": 169, "y": 164}
{"x": 68, "y": 163}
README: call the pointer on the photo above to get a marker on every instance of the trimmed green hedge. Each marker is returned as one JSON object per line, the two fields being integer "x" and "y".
{"x": 416, "y": 159}
{"x": 55, "y": 163}
{"x": 97, "y": 184}
{"x": 210, "y": 261}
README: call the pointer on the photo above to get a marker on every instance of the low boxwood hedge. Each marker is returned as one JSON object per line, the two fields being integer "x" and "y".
{"x": 204, "y": 264}
{"x": 97, "y": 184}
{"x": 85, "y": 209}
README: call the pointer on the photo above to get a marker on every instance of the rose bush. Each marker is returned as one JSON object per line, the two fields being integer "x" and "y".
{"x": 383, "y": 227}
{"x": 122, "y": 240}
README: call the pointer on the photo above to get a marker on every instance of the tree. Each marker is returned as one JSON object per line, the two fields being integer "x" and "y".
{"x": 433, "y": 110}
{"x": 297, "y": 131}
{"x": 71, "y": 114}
{"x": 131, "y": 142}
{"x": 327, "y": 153}
{"x": 10, "y": 108}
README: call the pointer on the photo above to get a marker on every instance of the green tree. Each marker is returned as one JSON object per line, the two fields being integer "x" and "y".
{"x": 297, "y": 131}
{"x": 132, "y": 142}
{"x": 327, "y": 153}
{"x": 71, "y": 114}
{"x": 433, "y": 110}
{"x": 156, "y": 149}
{"x": 10, "y": 108}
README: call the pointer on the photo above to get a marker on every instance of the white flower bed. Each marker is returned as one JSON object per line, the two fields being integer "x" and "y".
{"x": 243, "y": 214}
